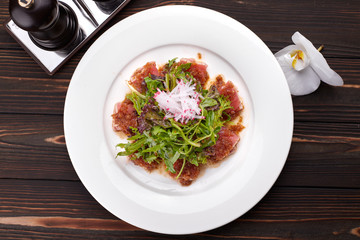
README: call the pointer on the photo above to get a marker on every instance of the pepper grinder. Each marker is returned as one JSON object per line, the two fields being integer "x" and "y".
{"x": 108, "y": 6}
{"x": 51, "y": 25}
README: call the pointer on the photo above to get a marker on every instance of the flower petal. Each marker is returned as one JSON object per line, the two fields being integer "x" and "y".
{"x": 300, "y": 82}
{"x": 318, "y": 62}
{"x": 285, "y": 50}
{"x": 290, "y": 54}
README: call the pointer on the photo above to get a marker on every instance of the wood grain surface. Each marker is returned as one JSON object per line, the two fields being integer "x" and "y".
{"x": 317, "y": 195}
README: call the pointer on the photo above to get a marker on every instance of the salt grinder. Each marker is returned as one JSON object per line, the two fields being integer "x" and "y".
{"x": 51, "y": 25}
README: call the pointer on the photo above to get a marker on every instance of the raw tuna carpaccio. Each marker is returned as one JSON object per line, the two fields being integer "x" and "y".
{"x": 125, "y": 116}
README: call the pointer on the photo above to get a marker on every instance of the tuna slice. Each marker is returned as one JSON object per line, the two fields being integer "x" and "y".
{"x": 147, "y": 166}
{"x": 197, "y": 70}
{"x": 189, "y": 173}
{"x": 229, "y": 90}
{"x": 225, "y": 145}
{"x": 124, "y": 117}
{"x": 137, "y": 79}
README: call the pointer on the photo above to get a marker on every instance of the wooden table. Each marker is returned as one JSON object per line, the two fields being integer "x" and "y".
{"x": 317, "y": 195}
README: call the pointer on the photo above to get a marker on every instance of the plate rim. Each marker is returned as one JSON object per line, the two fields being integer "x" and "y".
{"x": 92, "y": 53}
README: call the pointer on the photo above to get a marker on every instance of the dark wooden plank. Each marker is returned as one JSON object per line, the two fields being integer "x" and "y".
{"x": 46, "y": 94}
{"x": 323, "y": 154}
{"x": 32, "y": 91}
{"x": 26, "y": 88}
{"x": 67, "y": 199}
{"x": 274, "y": 21}
{"x": 325, "y": 151}
{"x": 61, "y": 209}
{"x": 333, "y": 104}
{"x": 33, "y": 147}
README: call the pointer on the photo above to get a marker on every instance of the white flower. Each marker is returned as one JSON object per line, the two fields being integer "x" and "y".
{"x": 304, "y": 67}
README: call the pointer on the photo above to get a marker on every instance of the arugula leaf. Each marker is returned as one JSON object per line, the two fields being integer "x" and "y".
{"x": 170, "y": 162}
{"x": 153, "y": 85}
{"x": 208, "y": 102}
{"x": 171, "y": 62}
{"x": 138, "y": 102}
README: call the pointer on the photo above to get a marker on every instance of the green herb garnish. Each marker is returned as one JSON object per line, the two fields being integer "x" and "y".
{"x": 158, "y": 138}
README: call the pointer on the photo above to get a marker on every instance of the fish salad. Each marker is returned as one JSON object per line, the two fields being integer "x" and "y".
{"x": 174, "y": 121}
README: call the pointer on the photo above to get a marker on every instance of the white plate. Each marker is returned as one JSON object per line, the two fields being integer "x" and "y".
{"x": 153, "y": 201}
